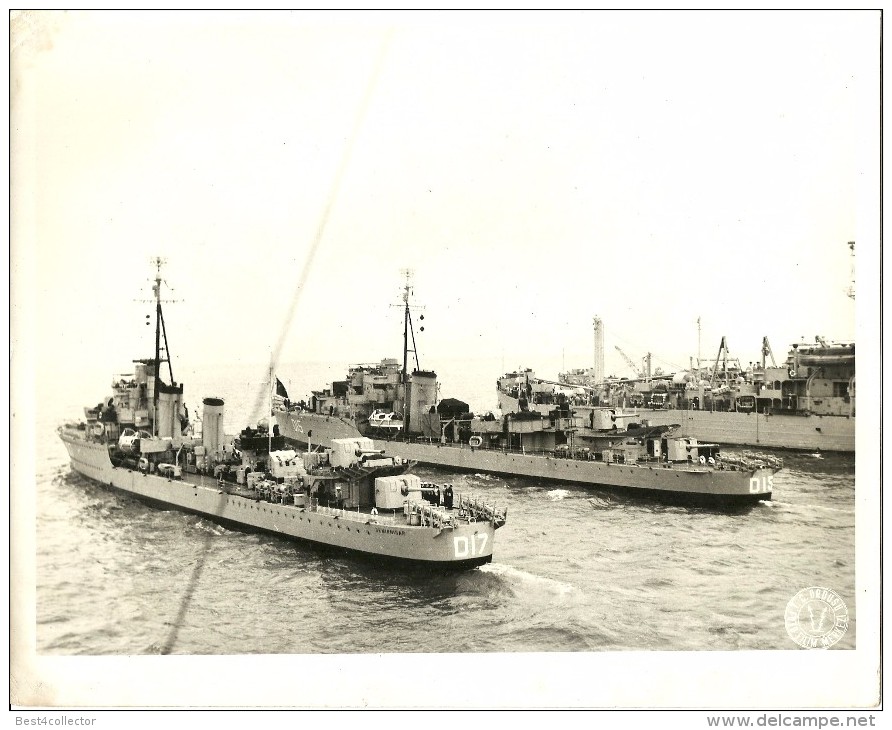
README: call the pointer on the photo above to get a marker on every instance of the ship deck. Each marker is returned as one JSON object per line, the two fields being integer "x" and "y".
{"x": 676, "y": 483}
{"x": 421, "y": 534}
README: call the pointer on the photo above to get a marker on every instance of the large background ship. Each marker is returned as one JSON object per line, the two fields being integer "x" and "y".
{"x": 806, "y": 402}
{"x": 350, "y": 495}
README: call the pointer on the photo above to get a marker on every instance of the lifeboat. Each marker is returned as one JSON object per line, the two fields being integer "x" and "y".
{"x": 838, "y": 355}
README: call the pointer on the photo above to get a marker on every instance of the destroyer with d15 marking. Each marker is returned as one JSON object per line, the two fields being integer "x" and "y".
{"x": 350, "y": 495}
{"x": 542, "y": 436}
{"x": 541, "y": 433}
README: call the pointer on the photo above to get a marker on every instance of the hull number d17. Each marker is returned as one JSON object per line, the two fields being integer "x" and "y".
{"x": 466, "y": 547}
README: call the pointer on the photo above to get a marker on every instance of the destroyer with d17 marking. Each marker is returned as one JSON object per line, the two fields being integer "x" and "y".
{"x": 540, "y": 434}
{"x": 350, "y": 495}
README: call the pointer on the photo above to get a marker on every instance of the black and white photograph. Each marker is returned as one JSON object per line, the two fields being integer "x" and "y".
{"x": 446, "y": 360}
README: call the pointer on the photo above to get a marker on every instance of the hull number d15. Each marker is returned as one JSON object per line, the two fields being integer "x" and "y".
{"x": 765, "y": 483}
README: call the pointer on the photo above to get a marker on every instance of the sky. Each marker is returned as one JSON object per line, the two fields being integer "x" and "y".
{"x": 533, "y": 170}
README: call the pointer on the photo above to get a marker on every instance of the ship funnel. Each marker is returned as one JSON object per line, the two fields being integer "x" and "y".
{"x": 212, "y": 436}
{"x": 422, "y": 395}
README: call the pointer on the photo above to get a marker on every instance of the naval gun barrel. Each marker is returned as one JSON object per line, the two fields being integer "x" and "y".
{"x": 425, "y": 487}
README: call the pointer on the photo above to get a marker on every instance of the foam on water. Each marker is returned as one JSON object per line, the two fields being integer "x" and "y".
{"x": 803, "y": 507}
{"x": 518, "y": 576}
{"x": 599, "y": 502}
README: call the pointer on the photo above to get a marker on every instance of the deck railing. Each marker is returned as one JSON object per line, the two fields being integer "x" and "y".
{"x": 745, "y": 462}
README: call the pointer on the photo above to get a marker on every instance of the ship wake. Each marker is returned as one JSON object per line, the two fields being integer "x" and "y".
{"x": 521, "y": 577}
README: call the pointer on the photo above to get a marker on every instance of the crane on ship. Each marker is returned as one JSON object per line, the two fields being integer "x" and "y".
{"x": 645, "y": 372}
{"x": 630, "y": 362}
{"x": 766, "y": 352}
{"x": 723, "y": 349}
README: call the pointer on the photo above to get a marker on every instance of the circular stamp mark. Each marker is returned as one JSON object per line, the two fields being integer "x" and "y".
{"x": 816, "y": 618}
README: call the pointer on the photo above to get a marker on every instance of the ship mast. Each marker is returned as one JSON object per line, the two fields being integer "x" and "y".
{"x": 406, "y": 290}
{"x": 699, "y": 334}
{"x": 160, "y": 331}
{"x": 156, "y": 288}
{"x": 407, "y": 330}
{"x": 269, "y": 410}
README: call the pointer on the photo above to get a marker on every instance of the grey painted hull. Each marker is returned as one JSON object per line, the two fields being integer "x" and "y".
{"x": 827, "y": 433}
{"x": 682, "y": 483}
{"x": 383, "y": 537}
{"x": 296, "y": 427}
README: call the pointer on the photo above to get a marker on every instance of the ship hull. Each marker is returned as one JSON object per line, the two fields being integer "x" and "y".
{"x": 812, "y": 432}
{"x": 681, "y": 484}
{"x": 380, "y": 538}
{"x": 303, "y": 428}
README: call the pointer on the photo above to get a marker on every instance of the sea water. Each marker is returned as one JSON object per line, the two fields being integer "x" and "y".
{"x": 576, "y": 569}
